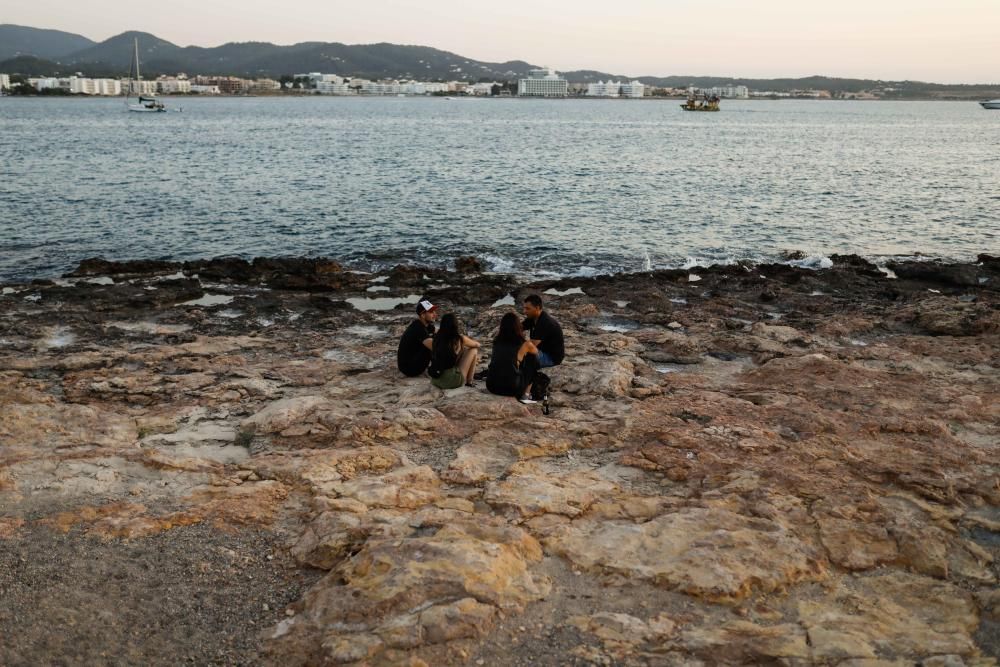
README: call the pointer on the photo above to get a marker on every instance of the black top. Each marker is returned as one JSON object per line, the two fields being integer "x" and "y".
{"x": 412, "y": 356}
{"x": 548, "y": 331}
{"x": 443, "y": 357}
{"x": 504, "y": 377}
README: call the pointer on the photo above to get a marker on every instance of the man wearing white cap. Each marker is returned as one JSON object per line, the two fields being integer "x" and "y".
{"x": 414, "y": 353}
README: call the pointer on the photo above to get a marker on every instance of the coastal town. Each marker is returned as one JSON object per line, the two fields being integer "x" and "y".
{"x": 546, "y": 83}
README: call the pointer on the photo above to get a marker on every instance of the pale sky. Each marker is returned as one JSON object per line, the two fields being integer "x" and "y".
{"x": 949, "y": 41}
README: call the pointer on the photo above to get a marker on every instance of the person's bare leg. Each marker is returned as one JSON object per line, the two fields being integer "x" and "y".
{"x": 467, "y": 364}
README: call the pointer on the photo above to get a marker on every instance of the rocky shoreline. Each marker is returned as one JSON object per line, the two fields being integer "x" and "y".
{"x": 217, "y": 462}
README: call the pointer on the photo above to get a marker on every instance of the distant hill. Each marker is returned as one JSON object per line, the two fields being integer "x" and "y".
{"x": 255, "y": 59}
{"x": 31, "y": 66}
{"x": 18, "y": 40}
{"x": 48, "y": 49}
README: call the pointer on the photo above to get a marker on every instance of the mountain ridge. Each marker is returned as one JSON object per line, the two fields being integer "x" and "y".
{"x": 20, "y": 40}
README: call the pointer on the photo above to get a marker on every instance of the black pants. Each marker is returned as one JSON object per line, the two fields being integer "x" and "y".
{"x": 517, "y": 385}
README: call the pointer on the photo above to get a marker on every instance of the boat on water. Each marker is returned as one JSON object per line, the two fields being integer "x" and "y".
{"x": 990, "y": 104}
{"x": 144, "y": 104}
{"x": 705, "y": 104}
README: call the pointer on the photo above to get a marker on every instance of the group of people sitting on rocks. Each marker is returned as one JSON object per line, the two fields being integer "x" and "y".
{"x": 449, "y": 357}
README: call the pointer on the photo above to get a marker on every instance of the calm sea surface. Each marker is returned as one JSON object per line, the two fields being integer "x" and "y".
{"x": 563, "y": 186}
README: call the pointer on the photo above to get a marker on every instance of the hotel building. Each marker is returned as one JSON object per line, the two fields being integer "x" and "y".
{"x": 542, "y": 83}
{"x": 173, "y": 86}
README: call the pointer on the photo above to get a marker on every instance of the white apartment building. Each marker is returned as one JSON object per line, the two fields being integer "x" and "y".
{"x": 725, "y": 92}
{"x": 480, "y": 89}
{"x": 542, "y": 83}
{"x": 615, "y": 89}
{"x": 334, "y": 88}
{"x": 633, "y": 89}
{"x": 4, "y": 81}
{"x": 173, "y": 86}
{"x": 316, "y": 78}
{"x": 378, "y": 87}
{"x": 44, "y": 83}
{"x": 413, "y": 88}
{"x": 140, "y": 87}
{"x": 602, "y": 89}
{"x": 205, "y": 90}
{"x": 265, "y": 85}
{"x": 78, "y": 85}
{"x": 112, "y": 87}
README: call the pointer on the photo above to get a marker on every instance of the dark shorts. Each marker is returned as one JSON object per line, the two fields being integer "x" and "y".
{"x": 544, "y": 360}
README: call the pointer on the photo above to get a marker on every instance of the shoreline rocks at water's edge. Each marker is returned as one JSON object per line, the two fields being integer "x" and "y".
{"x": 739, "y": 457}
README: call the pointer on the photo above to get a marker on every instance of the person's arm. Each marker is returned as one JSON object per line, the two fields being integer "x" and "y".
{"x": 429, "y": 343}
{"x": 527, "y": 347}
{"x": 468, "y": 342}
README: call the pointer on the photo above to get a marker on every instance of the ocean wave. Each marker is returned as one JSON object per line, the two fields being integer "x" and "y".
{"x": 814, "y": 262}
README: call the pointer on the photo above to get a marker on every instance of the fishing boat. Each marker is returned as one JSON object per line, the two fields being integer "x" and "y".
{"x": 705, "y": 104}
{"x": 144, "y": 104}
{"x": 990, "y": 104}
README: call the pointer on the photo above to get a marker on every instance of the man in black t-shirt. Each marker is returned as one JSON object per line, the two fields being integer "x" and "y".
{"x": 544, "y": 332}
{"x": 414, "y": 353}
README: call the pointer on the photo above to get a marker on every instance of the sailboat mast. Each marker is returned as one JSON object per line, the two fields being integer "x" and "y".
{"x": 138, "y": 77}
{"x": 128, "y": 86}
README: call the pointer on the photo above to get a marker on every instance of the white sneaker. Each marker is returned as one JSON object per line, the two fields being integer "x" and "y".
{"x": 527, "y": 400}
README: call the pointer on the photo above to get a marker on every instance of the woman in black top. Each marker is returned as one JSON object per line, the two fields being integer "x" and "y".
{"x": 513, "y": 362}
{"x": 453, "y": 356}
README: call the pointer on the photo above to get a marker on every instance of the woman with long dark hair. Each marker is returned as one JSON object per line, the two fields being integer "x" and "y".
{"x": 453, "y": 356}
{"x": 513, "y": 362}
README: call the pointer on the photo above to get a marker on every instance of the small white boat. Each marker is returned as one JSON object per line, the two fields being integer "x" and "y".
{"x": 144, "y": 104}
{"x": 990, "y": 104}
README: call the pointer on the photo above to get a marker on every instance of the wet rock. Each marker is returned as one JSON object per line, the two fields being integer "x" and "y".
{"x": 468, "y": 264}
{"x": 224, "y": 270}
{"x": 959, "y": 275}
{"x": 121, "y": 296}
{"x": 98, "y": 266}
{"x": 990, "y": 262}
{"x": 855, "y": 262}
{"x": 305, "y": 274}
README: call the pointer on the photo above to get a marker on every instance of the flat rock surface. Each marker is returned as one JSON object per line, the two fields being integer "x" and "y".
{"x": 768, "y": 465}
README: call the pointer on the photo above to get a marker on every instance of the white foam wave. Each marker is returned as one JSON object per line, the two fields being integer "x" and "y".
{"x": 814, "y": 262}
{"x": 499, "y": 264}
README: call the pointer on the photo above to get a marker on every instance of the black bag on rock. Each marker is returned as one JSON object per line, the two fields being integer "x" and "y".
{"x": 540, "y": 386}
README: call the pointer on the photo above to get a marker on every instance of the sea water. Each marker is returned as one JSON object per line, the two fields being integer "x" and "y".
{"x": 544, "y": 187}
